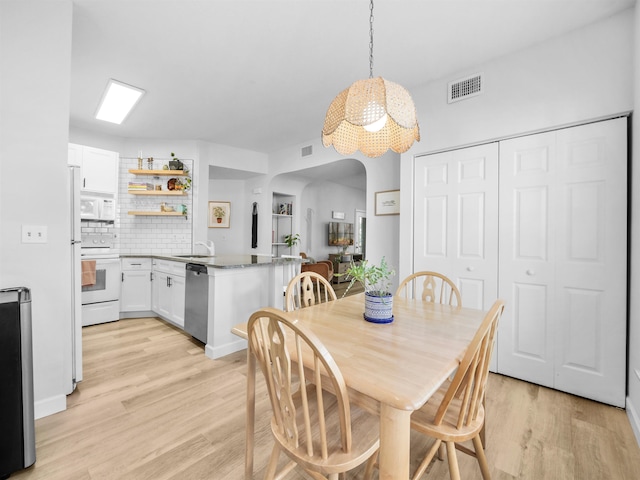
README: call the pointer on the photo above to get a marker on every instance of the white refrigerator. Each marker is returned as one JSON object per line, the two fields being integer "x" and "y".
{"x": 76, "y": 277}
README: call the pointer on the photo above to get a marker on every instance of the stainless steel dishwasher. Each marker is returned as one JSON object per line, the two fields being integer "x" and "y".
{"x": 196, "y": 308}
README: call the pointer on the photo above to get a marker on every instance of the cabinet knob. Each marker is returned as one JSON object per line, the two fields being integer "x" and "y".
{"x": 531, "y": 273}
{"x": 470, "y": 269}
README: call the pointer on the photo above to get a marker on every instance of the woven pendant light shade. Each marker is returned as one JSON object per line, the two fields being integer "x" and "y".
{"x": 360, "y": 105}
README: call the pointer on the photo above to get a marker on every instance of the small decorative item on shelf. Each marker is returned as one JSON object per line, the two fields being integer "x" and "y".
{"x": 139, "y": 163}
{"x": 175, "y": 163}
{"x": 183, "y": 184}
{"x": 163, "y": 207}
{"x": 378, "y": 300}
{"x": 171, "y": 184}
{"x": 150, "y": 163}
{"x": 292, "y": 239}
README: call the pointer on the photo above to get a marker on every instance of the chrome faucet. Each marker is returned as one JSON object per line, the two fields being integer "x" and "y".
{"x": 209, "y": 246}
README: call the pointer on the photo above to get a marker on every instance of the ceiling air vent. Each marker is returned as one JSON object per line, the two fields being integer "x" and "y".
{"x": 465, "y": 88}
{"x": 308, "y": 150}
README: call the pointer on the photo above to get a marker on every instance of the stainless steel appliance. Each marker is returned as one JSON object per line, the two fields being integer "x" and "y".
{"x": 101, "y": 301}
{"x": 17, "y": 438}
{"x": 196, "y": 310}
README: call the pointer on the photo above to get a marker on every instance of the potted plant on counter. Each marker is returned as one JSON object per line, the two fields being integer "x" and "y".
{"x": 378, "y": 299}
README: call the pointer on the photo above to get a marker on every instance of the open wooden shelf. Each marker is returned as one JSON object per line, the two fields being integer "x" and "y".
{"x": 179, "y": 193}
{"x": 158, "y": 172}
{"x": 157, "y": 214}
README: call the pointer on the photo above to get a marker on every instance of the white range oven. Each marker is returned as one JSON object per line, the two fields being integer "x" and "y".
{"x": 101, "y": 300}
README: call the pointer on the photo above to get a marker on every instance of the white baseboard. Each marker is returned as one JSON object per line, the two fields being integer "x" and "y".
{"x": 222, "y": 350}
{"x": 634, "y": 419}
{"x": 49, "y": 406}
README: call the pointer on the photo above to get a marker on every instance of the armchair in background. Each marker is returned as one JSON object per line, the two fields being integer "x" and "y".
{"x": 321, "y": 267}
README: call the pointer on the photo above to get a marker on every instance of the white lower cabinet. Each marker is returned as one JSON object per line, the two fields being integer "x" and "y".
{"x": 135, "y": 290}
{"x": 168, "y": 290}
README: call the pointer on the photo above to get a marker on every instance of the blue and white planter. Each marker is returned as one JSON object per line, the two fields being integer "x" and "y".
{"x": 378, "y": 308}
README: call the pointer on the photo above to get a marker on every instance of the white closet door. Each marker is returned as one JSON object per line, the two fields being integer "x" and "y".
{"x": 456, "y": 223}
{"x": 591, "y": 265}
{"x": 562, "y": 272}
{"x": 526, "y": 272}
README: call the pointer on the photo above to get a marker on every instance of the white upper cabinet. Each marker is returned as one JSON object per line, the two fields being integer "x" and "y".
{"x": 99, "y": 168}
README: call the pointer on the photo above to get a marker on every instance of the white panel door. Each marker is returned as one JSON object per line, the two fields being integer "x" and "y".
{"x": 456, "y": 223}
{"x": 526, "y": 271}
{"x": 563, "y": 218}
{"x": 591, "y": 263}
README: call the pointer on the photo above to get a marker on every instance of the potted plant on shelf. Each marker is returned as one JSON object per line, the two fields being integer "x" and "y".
{"x": 291, "y": 240}
{"x": 219, "y": 213}
{"x": 378, "y": 299}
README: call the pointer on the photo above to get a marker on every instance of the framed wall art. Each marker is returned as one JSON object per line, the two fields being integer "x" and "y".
{"x": 388, "y": 202}
{"x": 219, "y": 214}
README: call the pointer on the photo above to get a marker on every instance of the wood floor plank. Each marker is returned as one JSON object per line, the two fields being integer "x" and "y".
{"x": 152, "y": 406}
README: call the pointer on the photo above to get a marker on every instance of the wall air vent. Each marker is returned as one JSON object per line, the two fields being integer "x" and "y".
{"x": 465, "y": 88}
{"x": 308, "y": 150}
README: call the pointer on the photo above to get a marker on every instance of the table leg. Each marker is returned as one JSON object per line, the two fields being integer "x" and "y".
{"x": 395, "y": 431}
{"x": 251, "y": 412}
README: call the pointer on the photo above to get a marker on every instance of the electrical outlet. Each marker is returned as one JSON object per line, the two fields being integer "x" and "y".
{"x": 34, "y": 234}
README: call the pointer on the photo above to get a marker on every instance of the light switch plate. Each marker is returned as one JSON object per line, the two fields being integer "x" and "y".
{"x": 34, "y": 234}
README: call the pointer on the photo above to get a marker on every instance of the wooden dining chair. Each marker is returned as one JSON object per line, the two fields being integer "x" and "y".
{"x": 455, "y": 413}
{"x": 321, "y": 432}
{"x": 436, "y": 288}
{"x": 306, "y": 289}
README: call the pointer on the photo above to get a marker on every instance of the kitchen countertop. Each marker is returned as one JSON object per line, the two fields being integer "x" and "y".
{"x": 223, "y": 261}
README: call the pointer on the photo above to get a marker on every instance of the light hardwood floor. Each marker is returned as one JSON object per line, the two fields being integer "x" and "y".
{"x": 152, "y": 406}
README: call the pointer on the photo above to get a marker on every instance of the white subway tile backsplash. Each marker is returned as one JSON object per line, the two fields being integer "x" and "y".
{"x": 151, "y": 234}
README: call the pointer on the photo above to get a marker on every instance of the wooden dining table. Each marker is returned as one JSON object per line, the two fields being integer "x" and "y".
{"x": 391, "y": 369}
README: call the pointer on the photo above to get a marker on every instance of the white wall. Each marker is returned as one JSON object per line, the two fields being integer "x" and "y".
{"x": 584, "y": 75}
{"x": 237, "y": 238}
{"x": 35, "y": 47}
{"x": 633, "y": 400}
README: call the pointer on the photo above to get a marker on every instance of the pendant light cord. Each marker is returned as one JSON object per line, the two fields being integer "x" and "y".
{"x": 371, "y": 39}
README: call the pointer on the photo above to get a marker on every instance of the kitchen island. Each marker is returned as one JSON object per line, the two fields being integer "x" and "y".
{"x": 238, "y": 285}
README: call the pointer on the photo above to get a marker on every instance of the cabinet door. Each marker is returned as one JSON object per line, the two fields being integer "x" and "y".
{"x": 99, "y": 170}
{"x": 135, "y": 295}
{"x": 177, "y": 289}
{"x": 155, "y": 290}
{"x": 162, "y": 294}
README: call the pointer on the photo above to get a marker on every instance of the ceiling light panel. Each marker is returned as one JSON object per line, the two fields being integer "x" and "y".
{"x": 117, "y": 101}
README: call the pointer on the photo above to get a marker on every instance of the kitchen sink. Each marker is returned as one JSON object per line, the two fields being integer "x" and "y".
{"x": 192, "y": 256}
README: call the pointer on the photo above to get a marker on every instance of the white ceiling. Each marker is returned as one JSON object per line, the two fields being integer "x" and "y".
{"x": 260, "y": 74}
